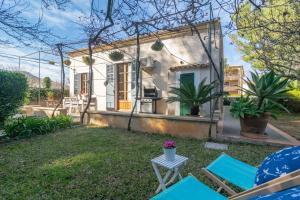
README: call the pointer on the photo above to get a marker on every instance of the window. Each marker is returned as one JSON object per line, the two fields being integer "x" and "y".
{"x": 84, "y": 83}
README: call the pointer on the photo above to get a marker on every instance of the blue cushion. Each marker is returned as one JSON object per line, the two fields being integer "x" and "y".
{"x": 289, "y": 194}
{"x": 189, "y": 188}
{"x": 234, "y": 171}
{"x": 277, "y": 164}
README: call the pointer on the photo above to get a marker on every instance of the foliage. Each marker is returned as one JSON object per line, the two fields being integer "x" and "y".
{"x": 47, "y": 82}
{"x": 269, "y": 37}
{"x": 263, "y": 95}
{"x": 292, "y": 101}
{"x": 116, "y": 55}
{"x": 67, "y": 62}
{"x": 189, "y": 95}
{"x": 157, "y": 46}
{"x": 294, "y": 94}
{"x": 33, "y": 93}
{"x": 243, "y": 107}
{"x": 72, "y": 163}
{"x": 51, "y": 62}
{"x": 267, "y": 87}
{"x": 86, "y": 60}
{"x": 50, "y": 95}
{"x": 13, "y": 87}
{"x": 24, "y": 127}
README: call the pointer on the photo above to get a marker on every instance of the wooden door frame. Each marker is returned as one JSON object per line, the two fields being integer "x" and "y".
{"x": 125, "y": 74}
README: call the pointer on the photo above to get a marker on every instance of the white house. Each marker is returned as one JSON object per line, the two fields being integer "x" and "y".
{"x": 182, "y": 59}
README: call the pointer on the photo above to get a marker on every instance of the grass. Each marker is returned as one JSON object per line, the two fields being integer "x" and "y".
{"x": 95, "y": 163}
{"x": 288, "y": 122}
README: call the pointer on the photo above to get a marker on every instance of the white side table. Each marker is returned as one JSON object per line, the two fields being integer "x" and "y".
{"x": 172, "y": 166}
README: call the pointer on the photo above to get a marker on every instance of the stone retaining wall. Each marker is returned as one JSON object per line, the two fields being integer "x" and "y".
{"x": 181, "y": 126}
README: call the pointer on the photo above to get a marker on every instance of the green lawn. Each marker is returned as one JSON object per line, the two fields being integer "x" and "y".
{"x": 288, "y": 122}
{"x": 95, "y": 163}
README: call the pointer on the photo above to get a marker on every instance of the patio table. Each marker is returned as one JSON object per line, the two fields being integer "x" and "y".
{"x": 172, "y": 167}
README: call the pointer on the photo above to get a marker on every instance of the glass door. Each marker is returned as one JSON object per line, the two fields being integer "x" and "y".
{"x": 122, "y": 87}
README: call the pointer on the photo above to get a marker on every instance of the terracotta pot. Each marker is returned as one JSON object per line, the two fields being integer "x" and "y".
{"x": 195, "y": 110}
{"x": 254, "y": 127}
{"x": 50, "y": 98}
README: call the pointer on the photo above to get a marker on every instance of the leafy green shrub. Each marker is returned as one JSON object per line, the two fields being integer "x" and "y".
{"x": 294, "y": 94}
{"x": 266, "y": 91}
{"x": 33, "y": 94}
{"x": 13, "y": 87}
{"x": 292, "y": 101}
{"x": 193, "y": 97}
{"x": 47, "y": 82}
{"x": 25, "y": 127}
{"x": 244, "y": 106}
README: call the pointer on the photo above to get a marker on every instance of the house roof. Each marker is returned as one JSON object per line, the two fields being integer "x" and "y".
{"x": 189, "y": 66}
{"x": 165, "y": 34}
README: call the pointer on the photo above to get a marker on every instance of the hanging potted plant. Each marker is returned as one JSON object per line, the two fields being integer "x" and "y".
{"x": 170, "y": 150}
{"x": 51, "y": 62}
{"x": 116, "y": 56}
{"x": 67, "y": 62}
{"x": 86, "y": 60}
{"x": 157, "y": 46}
{"x": 255, "y": 110}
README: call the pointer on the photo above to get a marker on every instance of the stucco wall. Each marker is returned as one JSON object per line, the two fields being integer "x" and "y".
{"x": 177, "y": 51}
{"x": 187, "y": 127}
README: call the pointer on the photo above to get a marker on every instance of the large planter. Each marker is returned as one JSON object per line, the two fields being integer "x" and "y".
{"x": 254, "y": 127}
{"x": 170, "y": 154}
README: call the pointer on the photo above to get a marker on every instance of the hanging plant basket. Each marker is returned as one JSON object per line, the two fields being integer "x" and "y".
{"x": 116, "y": 56}
{"x": 51, "y": 62}
{"x": 67, "y": 62}
{"x": 86, "y": 60}
{"x": 157, "y": 46}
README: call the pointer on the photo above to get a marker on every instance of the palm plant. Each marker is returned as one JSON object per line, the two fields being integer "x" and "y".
{"x": 267, "y": 88}
{"x": 193, "y": 97}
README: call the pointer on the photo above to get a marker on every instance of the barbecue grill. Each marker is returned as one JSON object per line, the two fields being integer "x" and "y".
{"x": 148, "y": 102}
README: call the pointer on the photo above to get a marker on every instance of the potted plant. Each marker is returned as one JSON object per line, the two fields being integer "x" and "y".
{"x": 157, "y": 46}
{"x": 116, "y": 55}
{"x": 193, "y": 97}
{"x": 86, "y": 60}
{"x": 170, "y": 150}
{"x": 50, "y": 95}
{"x": 262, "y": 97}
{"x": 67, "y": 62}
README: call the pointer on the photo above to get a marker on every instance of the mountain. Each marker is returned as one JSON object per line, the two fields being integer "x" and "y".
{"x": 33, "y": 81}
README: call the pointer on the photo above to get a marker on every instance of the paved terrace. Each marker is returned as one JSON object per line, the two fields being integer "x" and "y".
{"x": 229, "y": 129}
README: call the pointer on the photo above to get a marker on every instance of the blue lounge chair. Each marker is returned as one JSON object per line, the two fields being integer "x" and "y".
{"x": 227, "y": 169}
{"x": 190, "y": 188}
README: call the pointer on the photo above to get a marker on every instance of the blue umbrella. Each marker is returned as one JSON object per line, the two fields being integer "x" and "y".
{"x": 278, "y": 164}
{"x": 275, "y": 165}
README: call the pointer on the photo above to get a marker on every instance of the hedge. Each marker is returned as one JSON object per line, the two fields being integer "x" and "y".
{"x": 13, "y": 87}
{"x": 25, "y": 127}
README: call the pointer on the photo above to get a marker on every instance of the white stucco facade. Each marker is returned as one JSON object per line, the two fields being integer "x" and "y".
{"x": 179, "y": 50}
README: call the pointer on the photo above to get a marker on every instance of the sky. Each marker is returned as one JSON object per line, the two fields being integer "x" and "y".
{"x": 66, "y": 24}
